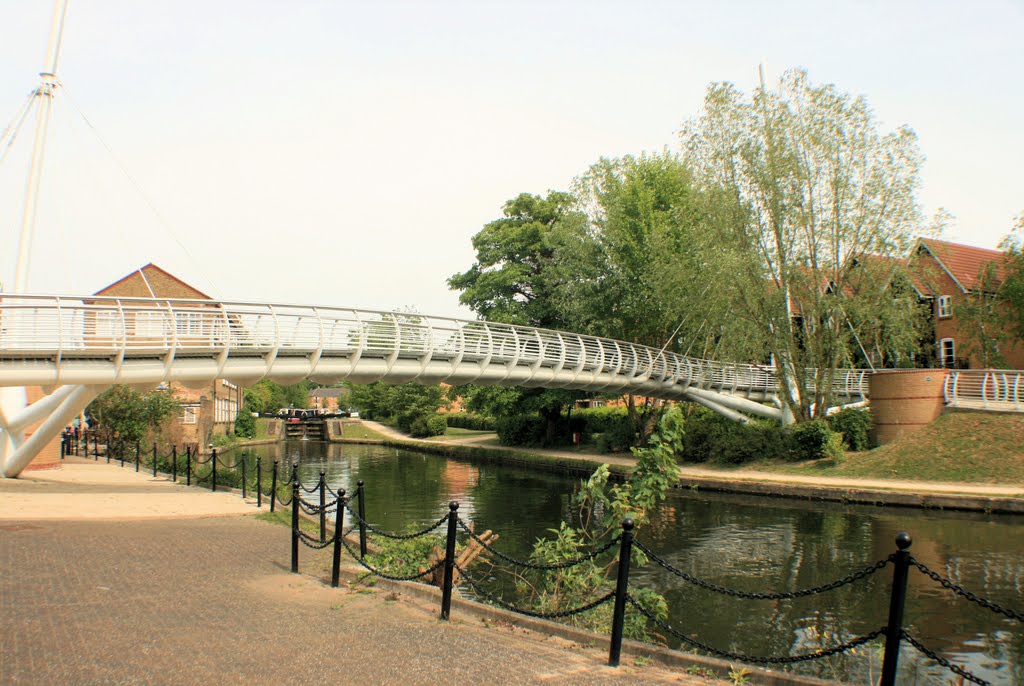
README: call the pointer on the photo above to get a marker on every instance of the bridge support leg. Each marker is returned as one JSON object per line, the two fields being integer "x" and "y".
{"x": 56, "y": 411}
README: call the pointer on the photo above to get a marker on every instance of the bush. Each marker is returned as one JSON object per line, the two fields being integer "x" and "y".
{"x": 245, "y": 425}
{"x": 710, "y": 437}
{"x": 521, "y": 429}
{"x": 854, "y": 424}
{"x": 813, "y": 440}
{"x": 426, "y": 425}
{"x": 468, "y": 420}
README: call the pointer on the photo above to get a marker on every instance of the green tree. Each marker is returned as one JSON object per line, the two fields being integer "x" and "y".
{"x": 130, "y": 416}
{"x": 266, "y": 396}
{"x": 402, "y": 404}
{"x": 804, "y": 182}
{"x": 245, "y": 424}
{"x": 1011, "y": 291}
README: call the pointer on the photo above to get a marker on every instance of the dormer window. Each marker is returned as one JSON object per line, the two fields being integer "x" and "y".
{"x": 945, "y": 306}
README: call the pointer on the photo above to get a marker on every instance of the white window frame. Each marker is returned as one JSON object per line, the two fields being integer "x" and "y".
{"x": 944, "y": 359}
{"x": 945, "y": 307}
{"x": 189, "y": 324}
{"x": 189, "y": 414}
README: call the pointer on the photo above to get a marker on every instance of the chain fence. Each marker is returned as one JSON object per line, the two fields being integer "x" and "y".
{"x": 949, "y": 585}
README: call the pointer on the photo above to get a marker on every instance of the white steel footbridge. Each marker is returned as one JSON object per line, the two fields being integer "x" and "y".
{"x": 74, "y": 347}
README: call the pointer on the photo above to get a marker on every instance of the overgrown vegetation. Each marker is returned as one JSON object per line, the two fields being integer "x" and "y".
{"x": 128, "y": 416}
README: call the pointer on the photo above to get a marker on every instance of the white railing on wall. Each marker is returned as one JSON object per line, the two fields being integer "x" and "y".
{"x": 987, "y": 389}
{"x": 60, "y": 329}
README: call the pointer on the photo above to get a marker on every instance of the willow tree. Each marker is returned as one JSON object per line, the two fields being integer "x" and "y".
{"x": 806, "y": 183}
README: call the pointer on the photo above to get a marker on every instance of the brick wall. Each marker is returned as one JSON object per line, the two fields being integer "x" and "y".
{"x": 904, "y": 401}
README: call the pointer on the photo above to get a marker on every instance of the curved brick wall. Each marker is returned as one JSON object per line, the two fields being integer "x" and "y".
{"x": 904, "y": 400}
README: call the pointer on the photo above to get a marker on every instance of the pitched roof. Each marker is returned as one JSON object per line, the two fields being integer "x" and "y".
{"x": 963, "y": 263}
{"x": 194, "y": 292}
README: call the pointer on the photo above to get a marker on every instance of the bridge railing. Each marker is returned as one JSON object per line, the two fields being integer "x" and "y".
{"x": 990, "y": 389}
{"x": 77, "y": 327}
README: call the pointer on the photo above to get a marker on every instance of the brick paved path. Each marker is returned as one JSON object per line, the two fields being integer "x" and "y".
{"x": 209, "y": 601}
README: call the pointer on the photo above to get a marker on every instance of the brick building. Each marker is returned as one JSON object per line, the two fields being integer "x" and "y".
{"x": 208, "y": 409}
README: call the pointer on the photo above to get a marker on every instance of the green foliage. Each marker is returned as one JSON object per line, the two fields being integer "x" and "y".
{"x": 611, "y": 427}
{"x": 123, "y": 412}
{"x": 427, "y": 425}
{"x": 520, "y": 429}
{"x": 245, "y": 424}
{"x": 403, "y": 557}
{"x": 267, "y": 397}
{"x": 855, "y": 426}
{"x": 602, "y": 508}
{"x": 403, "y": 403}
{"x": 713, "y": 438}
{"x": 469, "y": 420}
{"x": 814, "y": 440}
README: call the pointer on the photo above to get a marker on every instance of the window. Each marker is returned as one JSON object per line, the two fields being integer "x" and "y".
{"x": 947, "y": 353}
{"x": 945, "y": 306}
{"x": 189, "y": 414}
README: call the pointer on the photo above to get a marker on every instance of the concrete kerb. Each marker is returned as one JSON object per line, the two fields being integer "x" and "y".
{"x": 666, "y": 656}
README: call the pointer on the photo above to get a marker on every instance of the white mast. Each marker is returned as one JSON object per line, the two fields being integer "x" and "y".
{"x": 43, "y": 97}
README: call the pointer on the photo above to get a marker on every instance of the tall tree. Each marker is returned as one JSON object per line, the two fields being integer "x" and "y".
{"x": 807, "y": 183}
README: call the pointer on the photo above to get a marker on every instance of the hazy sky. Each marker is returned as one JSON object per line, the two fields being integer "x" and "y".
{"x": 344, "y": 153}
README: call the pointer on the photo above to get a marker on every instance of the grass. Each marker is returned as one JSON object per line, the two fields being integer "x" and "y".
{"x": 967, "y": 447}
{"x": 456, "y": 432}
{"x": 359, "y": 431}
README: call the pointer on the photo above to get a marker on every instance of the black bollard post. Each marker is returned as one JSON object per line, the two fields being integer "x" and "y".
{"x": 323, "y": 506}
{"x": 138, "y": 454}
{"x": 621, "y": 589}
{"x": 897, "y": 599}
{"x": 339, "y": 531}
{"x": 213, "y": 461}
{"x": 259, "y": 482}
{"x": 188, "y": 465}
{"x": 95, "y": 448}
{"x": 295, "y": 526}
{"x": 362, "y": 519}
{"x": 174, "y": 463}
{"x": 154, "y": 458}
{"x": 244, "y": 477}
{"x": 449, "y": 560}
{"x": 273, "y": 486}
{"x": 63, "y": 444}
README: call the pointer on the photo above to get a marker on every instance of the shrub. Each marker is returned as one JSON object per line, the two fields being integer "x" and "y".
{"x": 813, "y": 440}
{"x": 468, "y": 420}
{"x": 521, "y": 429}
{"x": 854, "y": 424}
{"x": 710, "y": 437}
{"x": 245, "y": 425}
{"x": 427, "y": 424}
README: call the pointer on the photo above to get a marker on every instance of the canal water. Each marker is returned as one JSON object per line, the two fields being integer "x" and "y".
{"x": 745, "y": 542}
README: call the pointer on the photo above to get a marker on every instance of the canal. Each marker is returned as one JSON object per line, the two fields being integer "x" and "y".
{"x": 745, "y": 542}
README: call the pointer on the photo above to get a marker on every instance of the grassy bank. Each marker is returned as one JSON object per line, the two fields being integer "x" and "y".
{"x": 966, "y": 447}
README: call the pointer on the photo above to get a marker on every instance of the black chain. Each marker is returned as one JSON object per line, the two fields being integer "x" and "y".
{"x": 530, "y": 613}
{"x": 846, "y": 580}
{"x": 312, "y": 541}
{"x": 198, "y": 479}
{"x": 285, "y": 503}
{"x": 758, "y": 659}
{"x": 387, "y": 534}
{"x": 310, "y": 508}
{"x": 959, "y": 671}
{"x": 964, "y": 593}
{"x": 530, "y": 565}
{"x": 314, "y": 489}
{"x": 383, "y": 575}
{"x": 196, "y": 459}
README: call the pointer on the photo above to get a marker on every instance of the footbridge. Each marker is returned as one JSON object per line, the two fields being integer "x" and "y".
{"x": 75, "y": 347}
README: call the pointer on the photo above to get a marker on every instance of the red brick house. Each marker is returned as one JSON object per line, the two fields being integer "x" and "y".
{"x": 206, "y": 410}
{"x": 947, "y": 275}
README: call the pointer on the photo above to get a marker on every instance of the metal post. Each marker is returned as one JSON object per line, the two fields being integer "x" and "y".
{"x": 174, "y": 463}
{"x": 95, "y": 447}
{"x": 362, "y": 519}
{"x": 154, "y": 458}
{"x": 295, "y": 526}
{"x": 273, "y": 487}
{"x": 120, "y": 449}
{"x": 63, "y": 444}
{"x": 213, "y": 461}
{"x": 339, "y": 531}
{"x": 449, "y": 560}
{"x": 259, "y": 482}
{"x": 323, "y": 507}
{"x": 244, "y": 477}
{"x": 621, "y": 588}
{"x": 897, "y": 599}
{"x": 138, "y": 454}
{"x": 188, "y": 465}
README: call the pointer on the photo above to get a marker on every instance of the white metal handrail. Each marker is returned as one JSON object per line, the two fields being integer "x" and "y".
{"x": 988, "y": 389}
{"x": 61, "y": 330}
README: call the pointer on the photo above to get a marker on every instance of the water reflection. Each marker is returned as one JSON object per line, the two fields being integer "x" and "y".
{"x": 742, "y": 542}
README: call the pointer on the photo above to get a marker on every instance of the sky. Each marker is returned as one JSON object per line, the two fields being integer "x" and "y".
{"x": 342, "y": 153}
